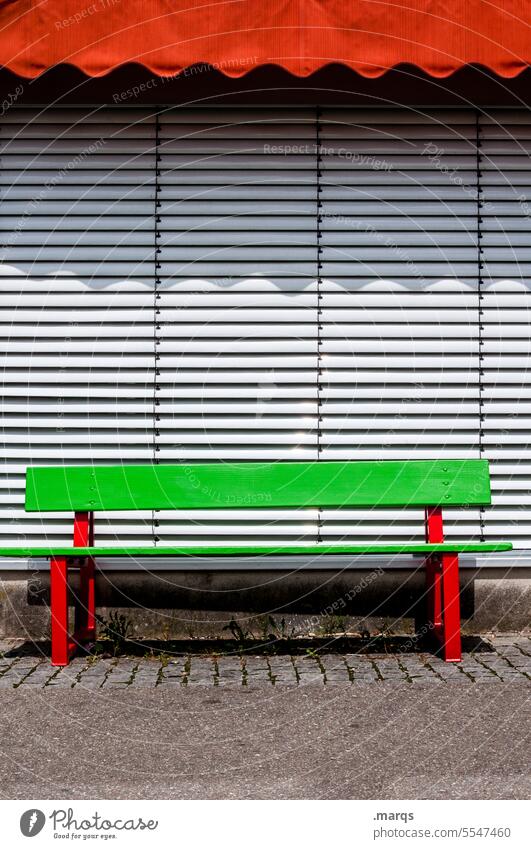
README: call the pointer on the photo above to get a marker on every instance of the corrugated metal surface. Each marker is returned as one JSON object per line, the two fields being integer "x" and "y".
{"x": 237, "y": 303}
{"x": 399, "y": 296}
{"x": 505, "y": 182}
{"x": 77, "y": 308}
{"x": 207, "y": 283}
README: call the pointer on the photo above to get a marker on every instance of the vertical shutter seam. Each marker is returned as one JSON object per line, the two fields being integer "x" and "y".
{"x": 479, "y": 208}
{"x": 318, "y": 162}
{"x": 156, "y": 310}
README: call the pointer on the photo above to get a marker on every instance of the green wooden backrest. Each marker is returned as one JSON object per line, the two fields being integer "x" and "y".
{"x": 284, "y": 484}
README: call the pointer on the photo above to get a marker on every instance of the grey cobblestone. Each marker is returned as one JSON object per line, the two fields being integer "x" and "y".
{"x": 95, "y": 674}
{"x": 360, "y": 669}
{"x": 283, "y": 670}
{"x": 229, "y": 671}
{"x": 415, "y": 669}
{"x": 41, "y": 675}
{"x": 309, "y": 671}
{"x": 448, "y": 672}
{"x": 508, "y": 661}
{"x": 123, "y": 673}
{"x": 147, "y": 674}
{"x": 17, "y": 673}
{"x": 334, "y": 668}
{"x": 201, "y": 670}
{"x": 51, "y": 676}
{"x": 172, "y": 673}
{"x": 388, "y": 669}
{"x": 256, "y": 670}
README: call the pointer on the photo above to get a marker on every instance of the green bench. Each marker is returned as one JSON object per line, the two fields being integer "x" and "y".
{"x": 431, "y": 485}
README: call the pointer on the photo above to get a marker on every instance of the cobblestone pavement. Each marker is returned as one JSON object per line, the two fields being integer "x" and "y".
{"x": 509, "y": 661}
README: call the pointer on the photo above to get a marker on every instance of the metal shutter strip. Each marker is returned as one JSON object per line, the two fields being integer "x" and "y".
{"x": 238, "y": 298}
{"x": 79, "y": 321}
{"x": 399, "y": 286}
{"x": 506, "y": 182}
{"x": 234, "y": 222}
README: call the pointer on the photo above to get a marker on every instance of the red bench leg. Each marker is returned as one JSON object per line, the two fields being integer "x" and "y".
{"x": 85, "y": 619}
{"x": 434, "y": 532}
{"x": 433, "y": 593}
{"x": 442, "y": 589}
{"x": 451, "y": 615}
{"x": 59, "y": 611}
{"x": 63, "y": 646}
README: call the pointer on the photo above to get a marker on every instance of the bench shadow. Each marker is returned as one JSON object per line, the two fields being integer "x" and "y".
{"x": 377, "y": 645}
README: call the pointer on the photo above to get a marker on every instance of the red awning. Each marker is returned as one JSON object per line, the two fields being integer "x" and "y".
{"x": 236, "y": 36}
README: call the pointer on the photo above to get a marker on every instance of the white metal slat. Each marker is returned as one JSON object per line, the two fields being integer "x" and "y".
{"x": 71, "y": 343}
{"x": 238, "y": 280}
{"x": 506, "y": 211}
{"x": 399, "y": 269}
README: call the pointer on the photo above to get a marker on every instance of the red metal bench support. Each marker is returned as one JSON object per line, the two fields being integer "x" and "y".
{"x": 63, "y": 646}
{"x": 442, "y": 593}
{"x": 442, "y": 589}
{"x": 85, "y": 611}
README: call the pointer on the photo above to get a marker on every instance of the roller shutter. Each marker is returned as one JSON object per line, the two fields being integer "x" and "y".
{"x": 77, "y": 304}
{"x": 399, "y": 297}
{"x": 237, "y": 304}
{"x": 222, "y": 284}
{"x": 505, "y": 182}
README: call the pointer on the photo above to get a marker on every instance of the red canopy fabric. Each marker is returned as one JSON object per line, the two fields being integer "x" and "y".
{"x": 235, "y": 36}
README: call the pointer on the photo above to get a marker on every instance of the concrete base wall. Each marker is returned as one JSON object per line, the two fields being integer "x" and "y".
{"x": 184, "y": 605}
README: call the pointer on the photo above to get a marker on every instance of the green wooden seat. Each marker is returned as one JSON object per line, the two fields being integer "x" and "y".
{"x": 84, "y": 490}
{"x": 255, "y": 550}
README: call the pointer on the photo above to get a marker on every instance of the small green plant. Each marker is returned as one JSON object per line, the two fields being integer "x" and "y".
{"x": 116, "y": 630}
{"x": 331, "y": 626}
{"x": 237, "y": 631}
{"x": 273, "y": 630}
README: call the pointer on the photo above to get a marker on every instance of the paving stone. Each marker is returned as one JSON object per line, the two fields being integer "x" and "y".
{"x": 147, "y": 673}
{"x": 172, "y": 673}
{"x": 95, "y": 674}
{"x": 40, "y": 676}
{"x": 283, "y": 670}
{"x": 62, "y": 678}
{"x": 446, "y": 671}
{"x": 506, "y": 663}
{"x": 18, "y": 672}
{"x": 335, "y": 669}
{"x": 122, "y": 674}
{"x": 417, "y": 670}
{"x": 389, "y": 669}
{"x": 432, "y": 680}
{"x": 256, "y": 670}
{"x": 476, "y": 673}
{"x": 201, "y": 671}
{"x": 520, "y": 662}
{"x": 360, "y": 669}
{"x": 518, "y": 659}
{"x": 309, "y": 671}
{"x": 230, "y": 671}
